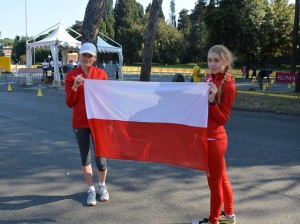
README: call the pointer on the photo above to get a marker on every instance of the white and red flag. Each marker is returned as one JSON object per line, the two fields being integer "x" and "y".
{"x": 161, "y": 122}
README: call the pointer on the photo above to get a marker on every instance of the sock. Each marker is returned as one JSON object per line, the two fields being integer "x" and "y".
{"x": 101, "y": 184}
{"x": 230, "y": 216}
{"x": 92, "y": 188}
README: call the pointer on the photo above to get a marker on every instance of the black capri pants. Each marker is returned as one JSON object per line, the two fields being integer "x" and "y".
{"x": 83, "y": 136}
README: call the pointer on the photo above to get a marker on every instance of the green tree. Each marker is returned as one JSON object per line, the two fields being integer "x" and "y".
{"x": 184, "y": 27}
{"x": 276, "y": 30}
{"x": 169, "y": 44}
{"x": 108, "y": 20}
{"x": 172, "y": 13}
{"x": 213, "y": 24}
{"x": 19, "y": 49}
{"x": 199, "y": 33}
{"x": 128, "y": 20}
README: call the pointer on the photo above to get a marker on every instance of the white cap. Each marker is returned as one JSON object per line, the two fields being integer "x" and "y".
{"x": 88, "y": 48}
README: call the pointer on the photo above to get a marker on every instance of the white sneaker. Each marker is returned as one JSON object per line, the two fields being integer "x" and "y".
{"x": 227, "y": 219}
{"x": 104, "y": 196}
{"x": 91, "y": 199}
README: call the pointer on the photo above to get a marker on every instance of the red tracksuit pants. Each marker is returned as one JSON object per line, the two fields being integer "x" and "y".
{"x": 219, "y": 184}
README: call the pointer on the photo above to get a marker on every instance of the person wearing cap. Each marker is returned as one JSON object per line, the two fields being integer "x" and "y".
{"x": 74, "y": 86}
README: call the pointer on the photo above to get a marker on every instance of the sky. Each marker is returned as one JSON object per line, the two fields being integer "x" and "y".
{"x": 44, "y": 14}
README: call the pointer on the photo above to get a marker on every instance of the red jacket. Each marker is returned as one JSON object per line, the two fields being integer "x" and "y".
{"x": 76, "y": 100}
{"x": 218, "y": 114}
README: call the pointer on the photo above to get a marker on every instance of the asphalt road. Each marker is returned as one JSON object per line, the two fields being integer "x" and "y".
{"x": 41, "y": 180}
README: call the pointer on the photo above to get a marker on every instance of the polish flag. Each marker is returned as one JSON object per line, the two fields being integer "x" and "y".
{"x": 163, "y": 122}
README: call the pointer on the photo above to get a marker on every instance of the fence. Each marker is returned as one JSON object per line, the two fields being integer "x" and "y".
{"x": 29, "y": 76}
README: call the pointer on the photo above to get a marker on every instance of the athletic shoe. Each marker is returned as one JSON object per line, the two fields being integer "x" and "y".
{"x": 225, "y": 219}
{"x": 91, "y": 199}
{"x": 104, "y": 196}
{"x": 204, "y": 221}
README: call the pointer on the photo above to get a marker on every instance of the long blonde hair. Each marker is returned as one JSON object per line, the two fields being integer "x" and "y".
{"x": 228, "y": 58}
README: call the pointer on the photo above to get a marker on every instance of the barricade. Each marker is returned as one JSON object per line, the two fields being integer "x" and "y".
{"x": 29, "y": 76}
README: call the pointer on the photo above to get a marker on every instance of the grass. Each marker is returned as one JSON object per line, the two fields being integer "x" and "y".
{"x": 277, "y": 102}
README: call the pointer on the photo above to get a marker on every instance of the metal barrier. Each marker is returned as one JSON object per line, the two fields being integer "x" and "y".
{"x": 29, "y": 76}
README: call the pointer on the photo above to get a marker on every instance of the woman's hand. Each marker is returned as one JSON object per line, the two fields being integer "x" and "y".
{"x": 79, "y": 80}
{"x": 213, "y": 89}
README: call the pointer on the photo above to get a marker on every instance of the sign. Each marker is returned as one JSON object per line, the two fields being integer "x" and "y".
{"x": 286, "y": 77}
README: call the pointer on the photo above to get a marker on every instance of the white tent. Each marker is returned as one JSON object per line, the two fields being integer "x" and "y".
{"x": 104, "y": 47}
{"x": 60, "y": 39}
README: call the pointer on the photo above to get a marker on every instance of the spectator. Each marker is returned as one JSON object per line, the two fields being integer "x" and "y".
{"x": 70, "y": 65}
{"x": 60, "y": 70}
{"x": 45, "y": 66}
{"x": 196, "y": 73}
{"x": 178, "y": 78}
{"x": 117, "y": 67}
{"x": 78, "y": 62}
{"x": 244, "y": 71}
{"x": 253, "y": 72}
{"x": 263, "y": 73}
{"x": 103, "y": 65}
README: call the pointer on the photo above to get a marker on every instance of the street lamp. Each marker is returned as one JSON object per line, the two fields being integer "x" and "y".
{"x": 26, "y": 28}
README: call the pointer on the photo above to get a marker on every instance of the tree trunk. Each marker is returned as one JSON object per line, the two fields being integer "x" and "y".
{"x": 294, "y": 44}
{"x": 91, "y": 22}
{"x": 149, "y": 40}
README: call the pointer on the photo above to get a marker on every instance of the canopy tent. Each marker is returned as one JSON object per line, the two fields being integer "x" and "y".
{"x": 59, "y": 39}
{"x": 104, "y": 47}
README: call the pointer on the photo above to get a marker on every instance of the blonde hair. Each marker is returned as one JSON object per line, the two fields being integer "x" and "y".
{"x": 228, "y": 58}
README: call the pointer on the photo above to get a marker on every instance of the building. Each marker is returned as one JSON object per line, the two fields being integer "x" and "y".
{"x": 7, "y": 51}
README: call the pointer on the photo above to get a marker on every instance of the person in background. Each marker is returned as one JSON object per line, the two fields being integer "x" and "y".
{"x": 244, "y": 71}
{"x": 70, "y": 65}
{"x": 221, "y": 96}
{"x": 117, "y": 67}
{"x": 74, "y": 85}
{"x": 261, "y": 74}
{"x": 103, "y": 65}
{"x": 45, "y": 66}
{"x": 197, "y": 72}
{"x": 60, "y": 69}
{"x": 52, "y": 66}
{"x": 78, "y": 62}
{"x": 253, "y": 72}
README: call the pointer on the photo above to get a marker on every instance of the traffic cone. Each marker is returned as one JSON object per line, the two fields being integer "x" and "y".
{"x": 272, "y": 82}
{"x": 293, "y": 83}
{"x": 289, "y": 86}
{"x": 264, "y": 87}
{"x": 40, "y": 92}
{"x": 9, "y": 87}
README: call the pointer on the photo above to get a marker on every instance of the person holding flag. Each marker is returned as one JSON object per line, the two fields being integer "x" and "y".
{"x": 74, "y": 86}
{"x": 221, "y": 97}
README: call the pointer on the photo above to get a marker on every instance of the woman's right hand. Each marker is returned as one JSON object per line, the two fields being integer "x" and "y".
{"x": 77, "y": 82}
{"x": 213, "y": 89}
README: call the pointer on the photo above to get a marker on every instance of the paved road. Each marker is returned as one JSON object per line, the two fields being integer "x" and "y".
{"x": 41, "y": 179}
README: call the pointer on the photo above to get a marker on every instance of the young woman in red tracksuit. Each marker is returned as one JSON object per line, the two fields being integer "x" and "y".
{"x": 75, "y": 99}
{"x": 221, "y": 96}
